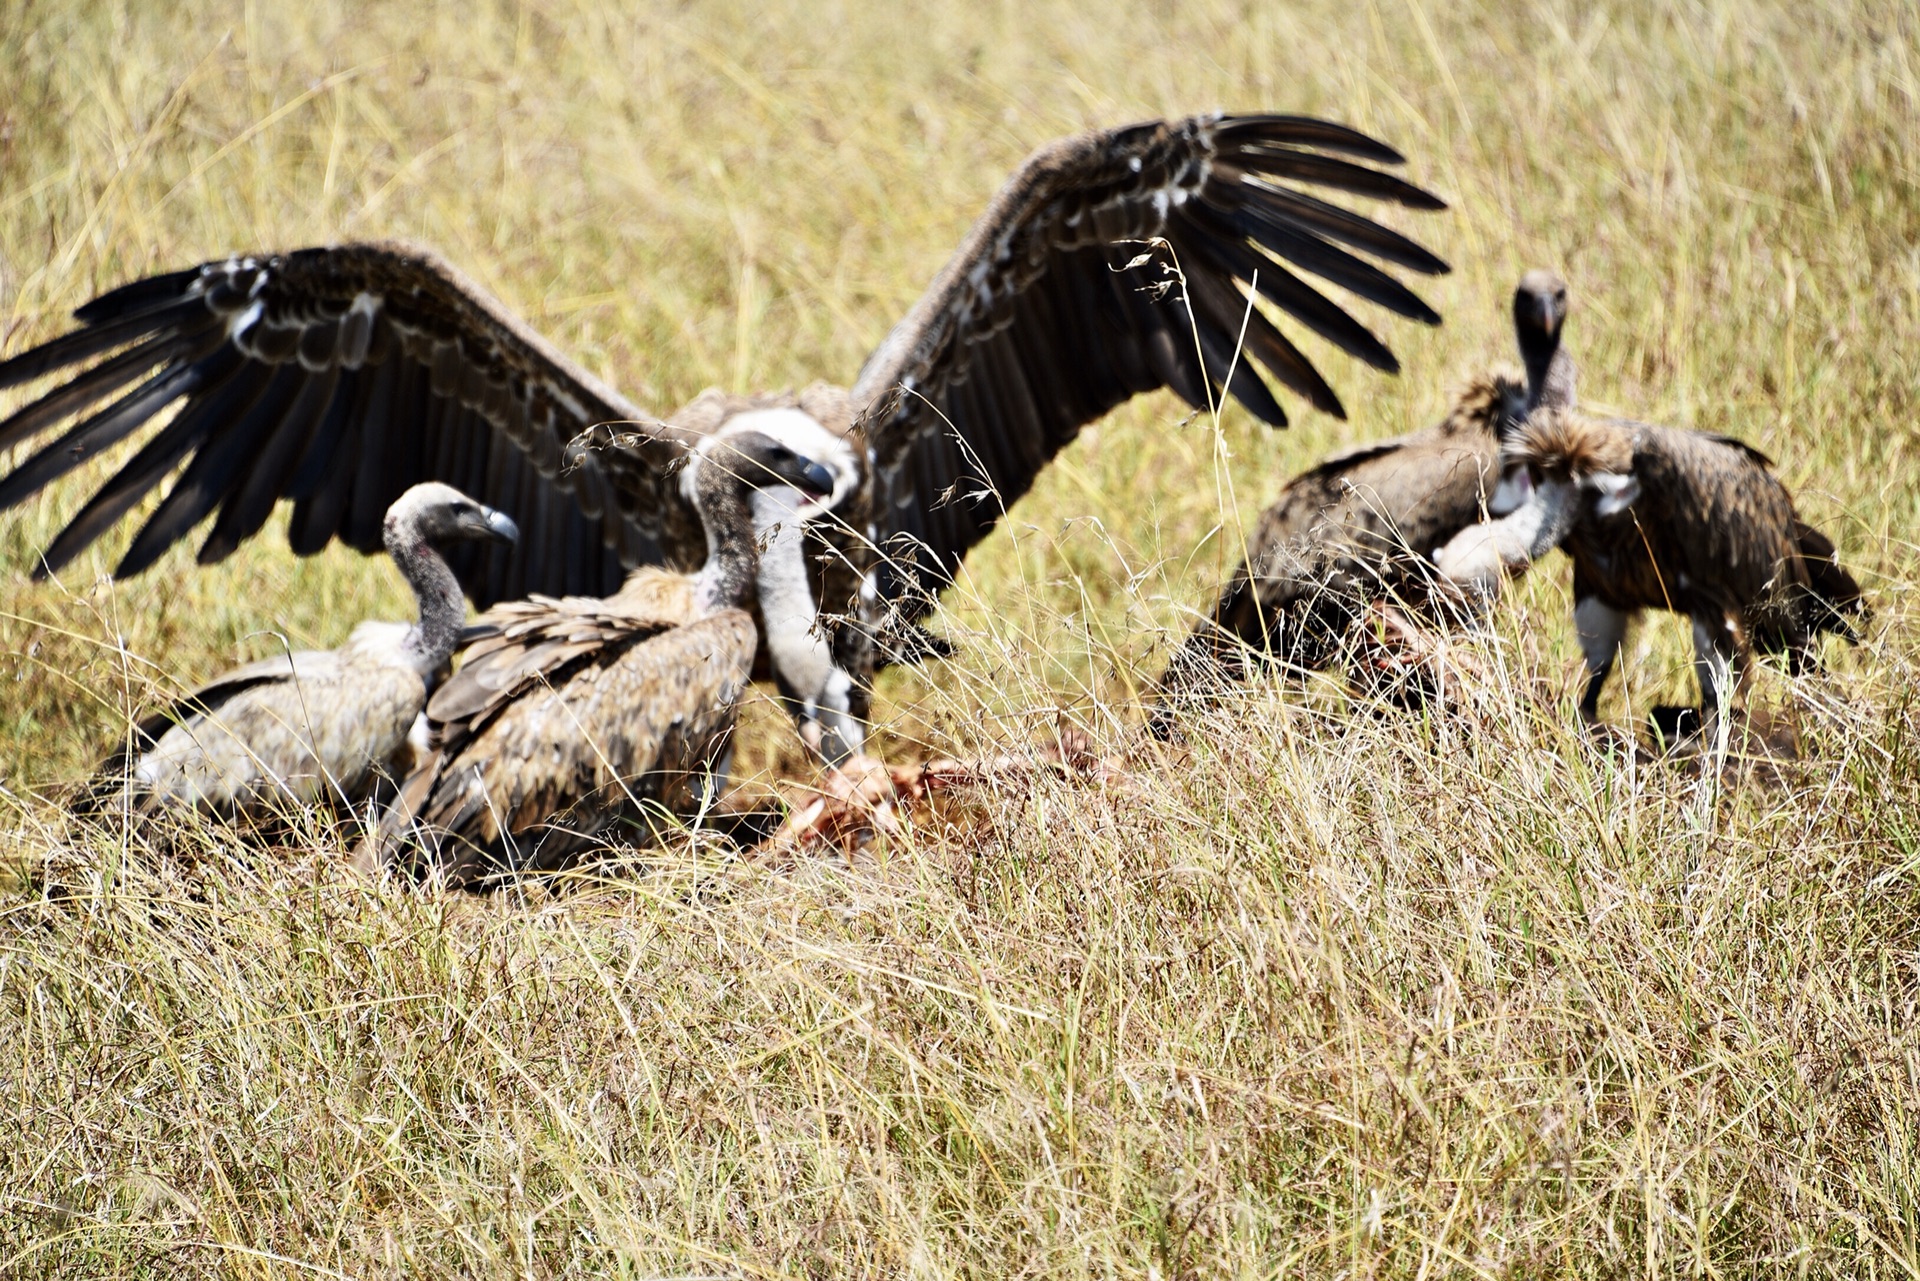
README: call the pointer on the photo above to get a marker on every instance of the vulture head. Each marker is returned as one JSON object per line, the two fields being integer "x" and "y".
{"x": 437, "y": 514}
{"x": 1558, "y": 467}
{"x": 1539, "y": 314}
{"x": 777, "y": 449}
{"x": 1539, "y": 308}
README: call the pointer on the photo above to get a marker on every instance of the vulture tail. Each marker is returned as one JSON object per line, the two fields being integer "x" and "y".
{"x": 1834, "y": 603}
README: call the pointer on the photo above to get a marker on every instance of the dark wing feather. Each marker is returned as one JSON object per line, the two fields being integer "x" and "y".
{"x": 337, "y": 377}
{"x": 1063, "y": 301}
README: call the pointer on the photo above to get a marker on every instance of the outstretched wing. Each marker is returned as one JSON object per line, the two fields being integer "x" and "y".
{"x": 337, "y": 377}
{"x": 1062, "y": 302}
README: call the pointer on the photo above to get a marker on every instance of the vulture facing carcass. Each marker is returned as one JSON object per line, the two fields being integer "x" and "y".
{"x": 314, "y": 726}
{"x": 1343, "y": 534}
{"x": 1361, "y": 525}
{"x": 574, "y": 722}
{"x": 335, "y": 377}
{"x": 1659, "y": 518}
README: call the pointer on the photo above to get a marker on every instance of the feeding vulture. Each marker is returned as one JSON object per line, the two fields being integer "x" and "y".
{"x": 1343, "y": 534}
{"x": 1659, "y": 518}
{"x": 1362, "y": 524}
{"x": 574, "y": 722}
{"x": 315, "y": 725}
{"x": 335, "y": 377}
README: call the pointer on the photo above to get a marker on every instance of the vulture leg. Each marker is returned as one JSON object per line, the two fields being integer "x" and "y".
{"x": 1601, "y": 629}
{"x": 1720, "y": 664}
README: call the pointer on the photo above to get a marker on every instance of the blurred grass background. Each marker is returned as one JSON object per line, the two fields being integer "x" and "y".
{"x": 1375, "y": 1004}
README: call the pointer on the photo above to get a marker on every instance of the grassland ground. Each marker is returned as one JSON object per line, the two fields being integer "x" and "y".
{"x": 1314, "y": 995}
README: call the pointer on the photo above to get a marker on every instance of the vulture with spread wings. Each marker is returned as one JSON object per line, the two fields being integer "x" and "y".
{"x": 1113, "y": 263}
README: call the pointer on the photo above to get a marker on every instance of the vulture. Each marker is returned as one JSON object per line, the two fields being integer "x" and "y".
{"x": 1361, "y": 525}
{"x": 314, "y": 726}
{"x": 1344, "y": 534}
{"x": 1659, "y": 518}
{"x": 574, "y": 722}
{"x": 1112, "y": 263}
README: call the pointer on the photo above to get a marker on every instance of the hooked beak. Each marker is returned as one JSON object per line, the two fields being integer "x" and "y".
{"x": 1548, "y": 319}
{"x": 499, "y": 528}
{"x": 816, "y": 480}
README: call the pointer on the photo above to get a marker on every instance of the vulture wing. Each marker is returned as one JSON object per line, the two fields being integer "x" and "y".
{"x": 210, "y": 698}
{"x": 1114, "y": 263}
{"x": 548, "y": 773}
{"x": 337, "y": 377}
{"x": 525, "y": 642}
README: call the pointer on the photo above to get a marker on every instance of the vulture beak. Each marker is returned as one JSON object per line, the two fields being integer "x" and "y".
{"x": 816, "y": 480}
{"x": 499, "y": 528}
{"x": 1549, "y": 317}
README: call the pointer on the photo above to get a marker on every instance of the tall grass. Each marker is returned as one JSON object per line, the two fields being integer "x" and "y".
{"x": 1314, "y": 996}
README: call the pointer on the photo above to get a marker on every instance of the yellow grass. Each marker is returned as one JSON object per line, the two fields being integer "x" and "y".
{"x": 1367, "y": 998}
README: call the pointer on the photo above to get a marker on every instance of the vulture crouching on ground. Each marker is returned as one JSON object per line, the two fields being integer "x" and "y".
{"x": 1353, "y": 530}
{"x": 1658, "y": 518}
{"x": 1360, "y": 527}
{"x": 577, "y": 723}
{"x": 315, "y": 726}
{"x": 336, "y": 377}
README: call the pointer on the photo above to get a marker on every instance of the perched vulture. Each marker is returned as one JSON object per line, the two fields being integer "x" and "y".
{"x": 336, "y": 377}
{"x": 575, "y": 723}
{"x": 316, "y": 726}
{"x": 1355, "y": 529}
{"x": 1657, "y": 518}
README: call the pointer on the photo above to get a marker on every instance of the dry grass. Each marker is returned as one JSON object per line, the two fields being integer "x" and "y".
{"x": 1373, "y": 998}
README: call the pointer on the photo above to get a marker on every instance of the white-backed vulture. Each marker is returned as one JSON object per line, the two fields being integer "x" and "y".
{"x": 1659, "y": 518}
{"x": 314, "y": 726}
{"x": 335, "y": 377}
{"x": 1355, "y": 529}
{"x": 574, "y": 723}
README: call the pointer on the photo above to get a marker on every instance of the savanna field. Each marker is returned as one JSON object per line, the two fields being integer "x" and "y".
{"x": 1319, "y": 993}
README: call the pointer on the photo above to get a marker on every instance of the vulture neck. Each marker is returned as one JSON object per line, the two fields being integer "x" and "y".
{"x": 1539, "y": 525}
{"x": 1550, "y": 373}
{"x": 733, "y": 553}
{"x": 786, "y": 598}
{"x": 430, "y": 643}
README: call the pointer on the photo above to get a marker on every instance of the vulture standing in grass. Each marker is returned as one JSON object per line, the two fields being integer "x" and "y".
{"x": 1482, "y": 555}
{"x": 316, "y": 726}
{"x": 573, "y": 723}
{"x": 1658, "y": 518}
{"x": 1342, "y": 535}
{"x": 1360, "y": 526}
{"x": 335, "y": 377}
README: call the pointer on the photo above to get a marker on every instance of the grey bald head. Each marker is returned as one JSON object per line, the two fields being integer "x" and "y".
{"x": 746, "y": 460}
{"x": 1540, "y": 304}
{"x": 435, "y": 513}
{"x": 726, "y": 470}
{"x": 1539, "y": 315}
